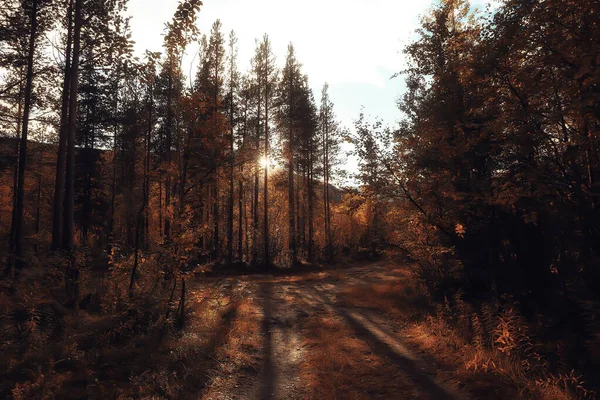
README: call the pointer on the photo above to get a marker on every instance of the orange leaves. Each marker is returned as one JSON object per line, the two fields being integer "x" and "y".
{"x": 460, "y": 230}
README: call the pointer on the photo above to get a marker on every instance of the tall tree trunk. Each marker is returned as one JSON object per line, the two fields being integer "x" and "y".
{"x": 59, "y": 185}
{"x": 302, "y": 209}
{"x": 230, "y": 206}
{"x": 38, "y": 210}
{"x": 216, "y": 198}
{"x": 136, "y": 250}
{"x": 291, "y": 206}
{"x": 160, "y": 207}
{"x": 240, "y": 255}
{"x": 241, "y": 199}
{"x": 297, "y": 205}
{"x": 247, "y": 234}
{"x": 324, "y": 140}
{"x": 206, "y": 212}
{"x": 326, "y": 170}
{"x": 267, "y": 258}
{"x": 13, "y": 223}
{"x": 231, "y": 184}
{"x": 72, "y": 129}
{"x": 169, "y": 133}
{"x": 216, "y": 216}
{"x": 113, "y": 191}
{"x": 147, "y": 172}
{"x": 19, "y": 224}
{"x": 256, "y": 166}
{"x": 310, "y": 207}
{"x": 255, "y": 217}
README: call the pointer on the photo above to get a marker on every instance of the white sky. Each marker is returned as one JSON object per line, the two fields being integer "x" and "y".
{"x": 354, "y": 46}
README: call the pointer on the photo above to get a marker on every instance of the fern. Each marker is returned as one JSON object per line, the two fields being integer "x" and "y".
{"x": 477, "y": 331}
{"x": 463, "y": 314}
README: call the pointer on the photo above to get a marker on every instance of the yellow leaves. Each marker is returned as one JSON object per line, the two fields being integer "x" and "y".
{"x": 460, "y": 230}
{"x": 504, "y": 341}
{"x": 480, "y": 363}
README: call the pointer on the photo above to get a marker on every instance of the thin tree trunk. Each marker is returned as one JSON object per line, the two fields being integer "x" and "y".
{"x": 136, "y": 251}
{"x": 240, "y": 220}
{"x": 147, "y": 173}
{"x": 230, "y": 209}
{"x": 113, "y": 191}
{"x": 38, "y": 212}
{"x": 231, "y": 186}
{"x": 310, "y": 207}
{"x": 167, "y": 231}
{"x": 160, "y": 202}
{"x": 241, "y": 194}
{"x": 59, "y": 185}
{"x": 267, "y": 258}
{"x": 70, "y": 171}
{"x": 19, "y": 224}
{"x": 181, "y": 307}
{"x": 325, "y": 191}
{"x": 326, "y": 171}
{"x": 216, "y": 210}
{"x": 13, "y": 223}
{"x": 247, "y": 242}
{"x": 291, "y": 206}
{"x": 297, "y": 204}
{"x": 255, "y": 210}
{"x": 216, "y": 217}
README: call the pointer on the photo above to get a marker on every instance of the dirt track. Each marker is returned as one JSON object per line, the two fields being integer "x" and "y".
{"x": 285, "y": 304}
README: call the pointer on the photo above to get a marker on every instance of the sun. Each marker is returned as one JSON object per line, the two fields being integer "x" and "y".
{"x": 263, "y": 162}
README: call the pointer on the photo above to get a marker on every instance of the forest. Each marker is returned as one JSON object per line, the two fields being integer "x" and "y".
{"x": 169, "y": 234}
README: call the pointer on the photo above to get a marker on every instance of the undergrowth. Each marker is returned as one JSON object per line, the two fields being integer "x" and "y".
{"x": 489, "y": 350}
{"x": 113, "y": 341}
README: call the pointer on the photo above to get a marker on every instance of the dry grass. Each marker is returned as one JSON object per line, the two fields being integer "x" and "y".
{"x": 485, "y": 372}
{"x": 129, "y": 351}
{"x": 239, "y": 356}
{"x": 182, "y": 363}
{"x": 488, "y": 354}
{"x": 341, "y": 366}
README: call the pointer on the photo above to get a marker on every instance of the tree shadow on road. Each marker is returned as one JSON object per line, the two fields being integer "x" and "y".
{"x": 389, "y": 348}
{"x": 268, "y": 373}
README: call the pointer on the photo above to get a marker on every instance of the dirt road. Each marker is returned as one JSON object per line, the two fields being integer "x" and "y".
{"x": 315, "y": 342}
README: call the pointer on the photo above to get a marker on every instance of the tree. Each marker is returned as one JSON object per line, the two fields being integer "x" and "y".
{"x": 59, "y": 185}
{"x": 309, "y": 142}
{"x": 330, "y": 141}
{"x": 69, "y": 220}
{"x": 266, "y": 76}
{"x": 289, "y": 118}
{"x": 233, "y": 83}
{"x": 18, "y": 220}
{"x": 210, "y": 81}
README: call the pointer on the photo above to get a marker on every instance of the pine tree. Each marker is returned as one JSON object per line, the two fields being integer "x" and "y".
{"x": 33, "y": 10}
{"x": 288, "y": 117}
{"x": 266, "y": 75}
{"x": 330, "y": 142}
{"x": 233, "y": 84}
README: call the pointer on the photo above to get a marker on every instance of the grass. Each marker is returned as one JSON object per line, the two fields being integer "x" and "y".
{"x": 240, "y": 354}
{"x": 117, "y": 346}
{"x": 489, "y": 354}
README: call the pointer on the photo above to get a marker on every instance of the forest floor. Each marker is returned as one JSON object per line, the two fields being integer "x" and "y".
{"x": 341, "y": 333}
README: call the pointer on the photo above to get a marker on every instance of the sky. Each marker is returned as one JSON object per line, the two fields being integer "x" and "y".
{"x": 354, "y": 46}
